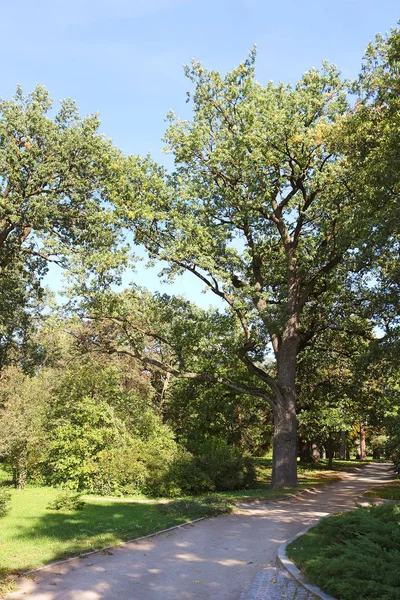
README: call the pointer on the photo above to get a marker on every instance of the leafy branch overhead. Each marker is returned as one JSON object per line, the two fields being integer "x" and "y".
{"x": 57, "y": 175}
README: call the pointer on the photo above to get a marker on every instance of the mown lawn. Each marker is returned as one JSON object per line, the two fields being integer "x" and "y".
{"x": 389, "y": 491}
{"x": 32, "y": 535}
{"x": 309, "y": 476}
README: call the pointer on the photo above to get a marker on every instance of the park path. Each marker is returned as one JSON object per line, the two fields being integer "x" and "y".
{"x": 232, "y": 557}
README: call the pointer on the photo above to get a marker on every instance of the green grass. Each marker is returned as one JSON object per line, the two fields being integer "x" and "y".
{"x": 355, "y": 555}
{"x": 389, "y": 491}
{"x": 309, "y": 476}
{"x": 33, "y": 535}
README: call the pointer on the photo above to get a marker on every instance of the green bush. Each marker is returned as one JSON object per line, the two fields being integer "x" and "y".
{"x": 67, "y": 501}
{"x": 5, "y": 498}
{"x": 225, "y": 465}
{"x": 136, "y": 466}
{"x": 182, "y": 478}
{"x": 216, "y": 466}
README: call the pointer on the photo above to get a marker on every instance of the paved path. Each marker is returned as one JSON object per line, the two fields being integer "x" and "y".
{"x": 232, "y": 557}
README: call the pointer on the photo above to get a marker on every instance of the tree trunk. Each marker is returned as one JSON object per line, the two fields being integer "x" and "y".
{"x": 284, "y": 462}
{"x": 342, "y": 451}
{"x": 329, "y": 450}
{"x": 363, "y": 452}
{"x": 376, "y": 453}
{"x": 19, "y": 472}
{"x": 305, "y": 452}
{"x": 316, "y": 454}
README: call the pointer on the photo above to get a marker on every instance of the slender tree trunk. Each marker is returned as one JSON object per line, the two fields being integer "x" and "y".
{"x": 342, "y": 451}
{"x": 363, "y": 452}
{"x": 316, "y": 454}
{"x": 329, "y": 449}
{"x": 19, "y": 472}
{"x": 164, "y": 391}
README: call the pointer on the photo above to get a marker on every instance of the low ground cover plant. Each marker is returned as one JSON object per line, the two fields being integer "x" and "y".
{"x": 354, "y": 554}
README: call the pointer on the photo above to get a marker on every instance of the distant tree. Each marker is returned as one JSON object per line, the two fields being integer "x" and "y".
{"x": 56, "y": 175}
{"x": 370, "y": 142}
{"x": 22, "y": 415}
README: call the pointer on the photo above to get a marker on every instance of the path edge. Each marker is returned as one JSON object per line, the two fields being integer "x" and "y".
{"x": 295, "y": 572}
{"x": 99, "y": 550}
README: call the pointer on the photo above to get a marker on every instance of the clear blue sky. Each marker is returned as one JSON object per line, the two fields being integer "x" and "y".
{"x": 124, "y": 58}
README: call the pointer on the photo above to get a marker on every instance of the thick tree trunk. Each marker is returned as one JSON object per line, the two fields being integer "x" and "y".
{"x": 376, "y": 453}
{"x": 284, "y": 462}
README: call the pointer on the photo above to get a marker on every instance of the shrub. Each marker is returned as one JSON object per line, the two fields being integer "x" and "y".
{"x": 214, "y": 467}
{"x": 67, "y": 501}
{"x": 225, "y": 465}
{"x": 5, "y": 498}
{"x": 136, "y": 466}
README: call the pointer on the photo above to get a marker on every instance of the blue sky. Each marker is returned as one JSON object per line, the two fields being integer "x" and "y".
{"x": 124, "y": 58}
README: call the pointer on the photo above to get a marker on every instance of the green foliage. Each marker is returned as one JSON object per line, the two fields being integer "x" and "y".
{"x": 5, "y": 498}
{"x": 22, "y": 430}
{"x": 57, "y": 175}
{"x": 198, "y": 411}
{"x": 214, "y": 466}
{"x": 103, "y": 438}
{"x": 133, "y": 467}
{"x": 353, "y": 555}
{"x": 67, "y": 501}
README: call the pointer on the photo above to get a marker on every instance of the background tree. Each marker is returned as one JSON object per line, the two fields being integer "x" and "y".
{"x": 22, "y": 415}
{"x": 56, "y": 176}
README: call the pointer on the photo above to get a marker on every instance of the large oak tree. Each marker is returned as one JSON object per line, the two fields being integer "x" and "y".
{"x": 260, "y": 210}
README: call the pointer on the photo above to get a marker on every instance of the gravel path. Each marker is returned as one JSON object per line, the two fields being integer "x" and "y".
{"x": 232, "y": 557}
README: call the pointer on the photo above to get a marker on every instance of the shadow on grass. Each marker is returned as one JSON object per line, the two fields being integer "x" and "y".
{"x": 56, "y": 535}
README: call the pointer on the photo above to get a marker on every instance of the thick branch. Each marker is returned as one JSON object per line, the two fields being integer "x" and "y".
{"x": 203, "y": 377}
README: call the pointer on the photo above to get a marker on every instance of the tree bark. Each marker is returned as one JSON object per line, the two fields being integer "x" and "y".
{"x": 316, "y": 454}
{"x": 363, "y": 451}
{"x": 329, "y": 449}
{"x": 343, "y": 445}
{"x": 284, "y": 462}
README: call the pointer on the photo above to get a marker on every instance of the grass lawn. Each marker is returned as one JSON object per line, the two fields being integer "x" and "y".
{"x": 31, "y": 535}
{"x": 309, "y": 475}
{"x": 390, "y": 491}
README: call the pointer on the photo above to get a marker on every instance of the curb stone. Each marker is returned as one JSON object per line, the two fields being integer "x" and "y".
{"x": 295, "y": 572}
{"x": 99, "y": 550}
